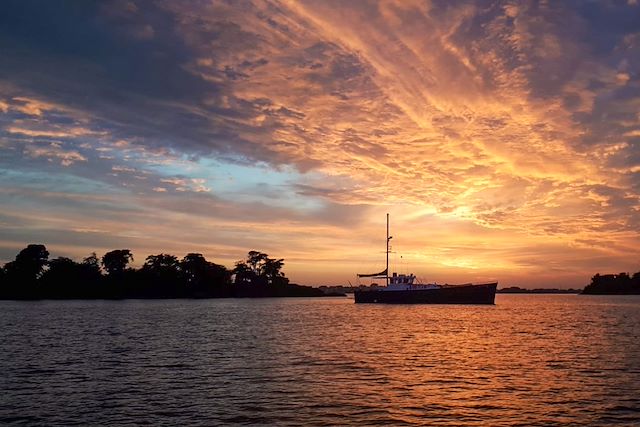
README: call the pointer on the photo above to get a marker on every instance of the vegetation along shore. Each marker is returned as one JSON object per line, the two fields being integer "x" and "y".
{"x": 32, "y": 275}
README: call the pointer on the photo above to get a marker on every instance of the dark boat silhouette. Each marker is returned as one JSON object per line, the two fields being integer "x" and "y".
{"x": 401, "y": 289}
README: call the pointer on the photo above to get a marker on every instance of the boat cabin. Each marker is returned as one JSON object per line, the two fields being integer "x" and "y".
{"x": 401, "y": 279}
{"x": 405, "y": 282}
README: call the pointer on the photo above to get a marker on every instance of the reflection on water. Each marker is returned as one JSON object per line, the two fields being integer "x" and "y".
{"x": 539, "y": 359}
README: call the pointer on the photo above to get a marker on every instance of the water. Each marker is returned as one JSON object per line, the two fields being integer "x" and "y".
{"x": 528, "y": 360}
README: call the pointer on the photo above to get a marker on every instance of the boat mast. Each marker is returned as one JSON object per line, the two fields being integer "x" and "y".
{"x": 386, "y": 271}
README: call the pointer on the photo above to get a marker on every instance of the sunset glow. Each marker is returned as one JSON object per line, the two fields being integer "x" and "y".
{"x": 503, "y": 138}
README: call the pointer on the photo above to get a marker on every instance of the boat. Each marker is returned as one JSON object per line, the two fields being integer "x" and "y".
{"x": 403, "y": 289}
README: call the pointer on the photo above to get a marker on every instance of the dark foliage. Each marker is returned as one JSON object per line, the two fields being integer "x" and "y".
{"x": 33, "y": 276}
{"x": 25, "y": 270}
{"x": 205, "y": 279}
{"x": 614, "y": 284}
{"x": 66, "y": 278}
{"x": 115, "y": 262}
{"x": 259, "y": 269}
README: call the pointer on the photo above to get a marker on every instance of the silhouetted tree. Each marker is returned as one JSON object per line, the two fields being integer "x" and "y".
{"x": 29, "y": 263}
{"x": 21, "y": 275}
{"x": 243, "y": 273}
{"x": 4, "y": 283}
{"x": 259, "y": 269}
{"x": 61, "y": 265}
{"x": 203, "y": 277}
{"x": 620, "y": 283}
{"x": 92, "y": 263}
{"x": 91, "y": 274}
{"x": 116, "y": 261}
{"x": 218, "y": 274}
{"x": 161, "y": 264}
{"x": 62, "y": 278}
{"x": 32, "y": 275}
{"x": 194, "y": 267}
{"x": 271, "y": 270}
{"x": 256, "y": 260}
{"x": 160, "y": 276}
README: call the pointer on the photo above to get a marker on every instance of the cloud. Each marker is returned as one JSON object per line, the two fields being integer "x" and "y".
{"x": 55, "y": 152}
{"x": 518, "y": 119}
{"x": 31, "y": 107}
{"x": 49, "y": 133}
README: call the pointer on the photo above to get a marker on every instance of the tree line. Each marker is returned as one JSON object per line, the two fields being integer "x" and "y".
{"x": 618, "y": 284}
{"x": 32, "y": 275}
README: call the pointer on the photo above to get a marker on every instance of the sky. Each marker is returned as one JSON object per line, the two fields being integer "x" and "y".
{"x": 502, "y": 137}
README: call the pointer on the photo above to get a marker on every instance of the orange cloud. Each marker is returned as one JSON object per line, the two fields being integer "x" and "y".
{"x": 55, "y": 152}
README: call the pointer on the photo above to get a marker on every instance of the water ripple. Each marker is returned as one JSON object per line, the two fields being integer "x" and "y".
{"x": 529, "y": 360}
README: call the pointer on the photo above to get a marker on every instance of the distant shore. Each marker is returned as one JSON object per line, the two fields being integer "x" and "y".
{"x": 614, "y": 284}
{"x": 518, "y": 290}
{"x": 33, "y": 276}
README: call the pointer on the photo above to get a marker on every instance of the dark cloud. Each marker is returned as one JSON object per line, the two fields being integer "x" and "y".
{"x": 85, "y": 57}
{"x": 76, "y": 44}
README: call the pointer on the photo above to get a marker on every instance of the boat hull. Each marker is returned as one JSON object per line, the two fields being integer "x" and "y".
{"x": 462, "y": 294}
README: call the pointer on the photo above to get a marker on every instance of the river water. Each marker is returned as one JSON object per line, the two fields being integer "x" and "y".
{"x": 528, "y": 360}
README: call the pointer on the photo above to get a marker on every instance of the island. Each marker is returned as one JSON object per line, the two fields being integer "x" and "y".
{"x": 518, "y": 290}
{"x": 32, "y": 275}
{"x": 614, "y": 284}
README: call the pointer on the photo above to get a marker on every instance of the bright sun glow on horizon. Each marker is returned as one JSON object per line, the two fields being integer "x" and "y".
{"x": 502, "y": 137}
